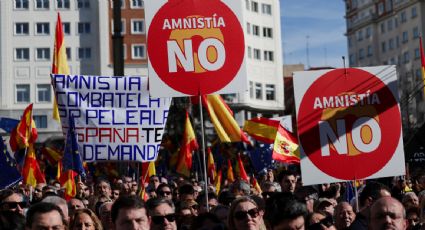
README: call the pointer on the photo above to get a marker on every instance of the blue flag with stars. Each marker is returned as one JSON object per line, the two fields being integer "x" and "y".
{"x": 9, "y": 173}
{"x": 8, "y": 124}
{"x": 71, "y": 157}
{"x": 261, "y": 158}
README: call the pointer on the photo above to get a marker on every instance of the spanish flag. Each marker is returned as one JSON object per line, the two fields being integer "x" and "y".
{"x": 422, "y": 61}
{"x": 211, "y": 165}
{"x": 262, "y": 129}
{"x": 189, "y": 144}
{"x": 286, "y": 148}
{"x": 31, "y": 171}
{"x": 60, "y": 63}
{"x": 217, "y": 182}
{"x": 255, "y": 185}
{"x": 230, "y": 175}
{"x": 221, "y": 116}
{"x": 148, "y": 170}
{"x": 25, "y": 133}
{"x": 242, "y": 172}
{"x": 67, "y": 180}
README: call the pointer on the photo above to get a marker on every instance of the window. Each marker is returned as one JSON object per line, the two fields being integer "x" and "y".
{"x": 267, "y": 32}
{"x": 361, "y": 54}
{"x": 270, "y": 92}
{"x": 81, "y": 4}
{"x": 352, "y": 59}
{"x": 258, "y": 91}
{"x": 414, "y": 12}
{"x": 406, "y": 57}
{"x": 42, "y": 28}
{"x": 397, "y": 41}
{"x": 359, "y": 35}
{"x": 268, "y": 55}
{"x": 369, "y": 51}
{"x": 256, "y": 30}
{"x": 254, "y": 6}
{"x": 249, "y": 52}
{"x": 40, "y": 121}
{"x": 68, "y": 53}
{"x": 21, "y": 4}
{"x": 84, "y": 27}
{"x": 368, "y": 32}
{"x": 22, "y": 54}
{"x": 257, "y": 54}
{"x": 415, "y": 32}
{"x": 63, "y": 4}
{"x": 251, "y": 89}
{"x": 403, "y": 16}
{"x": 388, "y": 5}
{"x": 44, "y": 93}
{"x": 248, "y": 28}
{"x": 382, "y": 28}
{"x": 417, "y": 53}
{"x": 136, "y": 4}
{"x": 380, "y": 8}
{"x": 122, "y": 26}
{"x": 43, "y": 54}
{"x": 405, "y": 37}
{"x": 42, "y": 4}
{"x": 391, "y": 43}
{"x": 138, "y": 51}
{"x": 66, "y": 27}
{"x": 84, "y": 53}
{"x": 22, "y": 93}
{"x": 390, "y": 24}
{"x": 384, "y": 47}
{"x": 22, "y": 28}
{"x": 266, "y": 9}
{"x": 137, "y": 26}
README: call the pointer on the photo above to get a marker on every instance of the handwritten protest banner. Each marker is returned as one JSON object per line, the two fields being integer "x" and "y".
{"x": 115, "y": 118}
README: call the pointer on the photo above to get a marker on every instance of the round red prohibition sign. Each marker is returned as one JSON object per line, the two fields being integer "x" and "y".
{"x": 349, "y": 126}
{"x": 196, "y": 46}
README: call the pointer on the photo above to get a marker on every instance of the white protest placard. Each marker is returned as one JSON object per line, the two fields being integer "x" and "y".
{"x": 115, "y": 118}
{"x": 349, "y": 124}
{"x": 195, "y": 47}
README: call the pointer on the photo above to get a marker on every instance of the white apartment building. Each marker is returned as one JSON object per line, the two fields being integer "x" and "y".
{"x": 27, "y": 30}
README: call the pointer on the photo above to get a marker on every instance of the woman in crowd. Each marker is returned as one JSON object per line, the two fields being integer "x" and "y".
{"x": 85, "y": 219}
{"x": 245, "y": 214}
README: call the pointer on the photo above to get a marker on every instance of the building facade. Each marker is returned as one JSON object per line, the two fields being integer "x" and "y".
{"x": 27, "y": 33}
{"x": 386, "y": 32}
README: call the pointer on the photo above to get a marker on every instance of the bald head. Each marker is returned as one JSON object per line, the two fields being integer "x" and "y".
{"x": 387, "y": 213}
{"x": 344, "y": 215}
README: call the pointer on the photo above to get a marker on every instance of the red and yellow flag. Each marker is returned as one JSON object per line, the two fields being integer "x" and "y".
{"x": 242, "y": 172}
{"x": 422, "y": 61}
{"x": 31, "y": 172}
{"x": 52, "y": 154}
{"x": 221, "y": 116}
{"x": 217, "y": 182}
{"x": 189, "y": 144}
{"x": 285, "y": 147}
{"x": 211, "y": 165}
{"x": 262, "y": 129}
{"x": 230, "y": 175}
{"x": 67, "y": 181}
{"x": 255, "y": 185}
{"x": 60, "y": 63}
{"x": 148, "y": 170}
{"x": 25, "y": 133}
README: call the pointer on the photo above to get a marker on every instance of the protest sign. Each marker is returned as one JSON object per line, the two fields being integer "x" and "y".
{"x": 349, "y": 124}
{"x": 115, "y": 119}
{"x": 195, "y": 47}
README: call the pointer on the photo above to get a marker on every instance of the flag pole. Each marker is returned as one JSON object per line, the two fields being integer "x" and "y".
{"x": 356, "y": 195}
{"x": 203, "y": 152}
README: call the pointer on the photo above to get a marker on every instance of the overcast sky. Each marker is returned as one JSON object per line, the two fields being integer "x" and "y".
{"x": 321, "y": 24}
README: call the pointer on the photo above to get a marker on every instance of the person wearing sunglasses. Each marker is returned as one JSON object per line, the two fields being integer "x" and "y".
{"x": 12, "y": 201}
{"x": 162, "y": 214}
{"x": 164, "y": 191}
{"x": 244, "y": 214}
{"x": 129, "y": 212}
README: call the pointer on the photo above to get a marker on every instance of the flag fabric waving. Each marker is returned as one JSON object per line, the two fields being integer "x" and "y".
{"x": 286, "y": 148}
{"x": 262, "y": 129}
{"x": 71, "y": 158}
{"x": 148, "y": 170}
{"x": 230, "y": 175}
{"x": 217, "y": 182}
{"x": 211, "y": 165}
{"x": 8, "y": 124}
{"x": 25, "y": 133}
{"x": 422, "y": 61}
{"x": 60, "y": 63}
{"x": 242, "y": 172}
{"x": 261, "y": 157}
{"x": 189, "y": 144}
{"x": 221, "y": 116}
{"x": 67, "y": 180}
{"x": 9, "y": 174}
{"x": 31, "y": 171}
{"x": 52, "y": 154}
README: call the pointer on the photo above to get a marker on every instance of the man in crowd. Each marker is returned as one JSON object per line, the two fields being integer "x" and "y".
{"x": 12, "y": 201}
{"x": 387, "y": 213}
{"x": 162, "y": 214}
{"x": 344, "y": 215}
{"x": 287, "y": 181}
{"x": 284, "y": 212}
{"x": 129, "y": 213}
{"x": 45, "y": 216}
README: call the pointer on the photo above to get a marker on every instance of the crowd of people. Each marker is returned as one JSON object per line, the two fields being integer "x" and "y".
{"x": 177, "y": 203}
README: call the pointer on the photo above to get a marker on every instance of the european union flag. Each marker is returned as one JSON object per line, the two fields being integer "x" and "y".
{"x": 261, "y": 158}
{"x": 71, "y": 157}
{"x": 9, "y": 173}
{"x": 8, "y": 124}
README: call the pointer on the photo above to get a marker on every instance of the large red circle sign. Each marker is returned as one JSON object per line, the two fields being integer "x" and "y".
{"x": 349, "y": 125}
{"x": 196, "y": 46}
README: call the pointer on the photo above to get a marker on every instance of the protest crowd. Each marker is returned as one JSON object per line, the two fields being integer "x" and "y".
{"x": 280, "y": 202}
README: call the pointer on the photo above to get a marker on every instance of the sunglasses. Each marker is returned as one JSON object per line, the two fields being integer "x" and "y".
{"x": 164, "y": 193}
{"x": 160, "y": 219}
{"x": 242, "y": 215}
{"x": 13, "y": 205}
